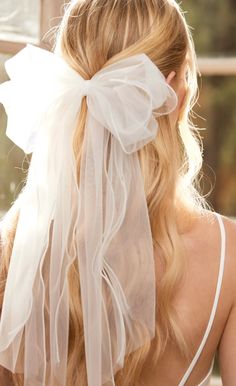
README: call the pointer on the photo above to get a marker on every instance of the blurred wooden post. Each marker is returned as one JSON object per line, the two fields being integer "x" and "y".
{"x": 51, "y": 14}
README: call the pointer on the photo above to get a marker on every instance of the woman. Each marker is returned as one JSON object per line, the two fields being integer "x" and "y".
{"x": 195, "y": 286}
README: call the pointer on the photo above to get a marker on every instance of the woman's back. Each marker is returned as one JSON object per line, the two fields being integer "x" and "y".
{"x": 206, "y": 265}
{"x": 194, "y": 303}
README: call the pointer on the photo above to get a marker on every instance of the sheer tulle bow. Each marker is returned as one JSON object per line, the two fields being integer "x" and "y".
{"x": 101, "y": 224}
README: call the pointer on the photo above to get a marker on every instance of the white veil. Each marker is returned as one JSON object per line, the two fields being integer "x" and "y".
{"x": 101, "y": 222}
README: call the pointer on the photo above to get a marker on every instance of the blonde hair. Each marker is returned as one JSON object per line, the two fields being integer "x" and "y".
{"x": 92, "y": 35}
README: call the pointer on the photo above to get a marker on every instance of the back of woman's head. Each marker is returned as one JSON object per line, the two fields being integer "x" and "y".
{"x": 92, "y": 35}
{"x": 96, "y": 33}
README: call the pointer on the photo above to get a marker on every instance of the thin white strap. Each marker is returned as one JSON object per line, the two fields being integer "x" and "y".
{"x": 214, "y": 307}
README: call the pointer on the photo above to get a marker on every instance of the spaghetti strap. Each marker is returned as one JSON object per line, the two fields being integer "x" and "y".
{"x": 214, "y": 307}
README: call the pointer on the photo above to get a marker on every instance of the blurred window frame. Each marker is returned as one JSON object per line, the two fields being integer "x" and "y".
{"x": 51, "y": 12}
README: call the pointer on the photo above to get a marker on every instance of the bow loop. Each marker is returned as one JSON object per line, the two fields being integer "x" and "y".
{"x": 39, "y": 80}
{"x": 135, "y": 91}
{"x": 124, "y": 97}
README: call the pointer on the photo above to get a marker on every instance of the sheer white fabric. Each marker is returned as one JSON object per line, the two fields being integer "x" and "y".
{"x": 102, "y": 221}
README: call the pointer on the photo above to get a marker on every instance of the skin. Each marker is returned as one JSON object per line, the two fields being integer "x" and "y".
{"x": 194, "y": 298}
{"x": 193, "y": 302}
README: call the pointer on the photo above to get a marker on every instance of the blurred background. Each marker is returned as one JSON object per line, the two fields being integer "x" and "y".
{"x": 213, "y": 25}
{"x": 214, "y": 32}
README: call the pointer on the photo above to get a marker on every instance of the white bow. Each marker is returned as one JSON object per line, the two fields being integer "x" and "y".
{"x": 106, "y": 215}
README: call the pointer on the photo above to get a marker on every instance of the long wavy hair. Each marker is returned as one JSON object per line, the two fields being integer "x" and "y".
{"x": 92, "y": 35}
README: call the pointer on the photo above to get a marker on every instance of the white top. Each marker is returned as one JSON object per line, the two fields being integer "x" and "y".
{"x": 206, "y": 380}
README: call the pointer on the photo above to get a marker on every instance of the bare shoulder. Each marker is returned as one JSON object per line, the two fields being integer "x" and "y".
{"x": 230, "y": 238}
{"x": 230, "y": 232}
{"x": 204, "y": 241}
{"x": 227, "y": 343}
{"x": 208, "y": 224}
{"x": 230, "y": 227}
{"x": 203, "y": 228}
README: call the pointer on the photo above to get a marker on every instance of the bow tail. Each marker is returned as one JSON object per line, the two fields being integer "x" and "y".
{"x": 117, "y": 318}
{"x": 89, "y": 242}
{"x": 63, "y": 254}
{"x": 22, "y": 348}
{"x": 36, "y": 305}
{"x": 35, "y": 342}
{"x": 128, "y": 267}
